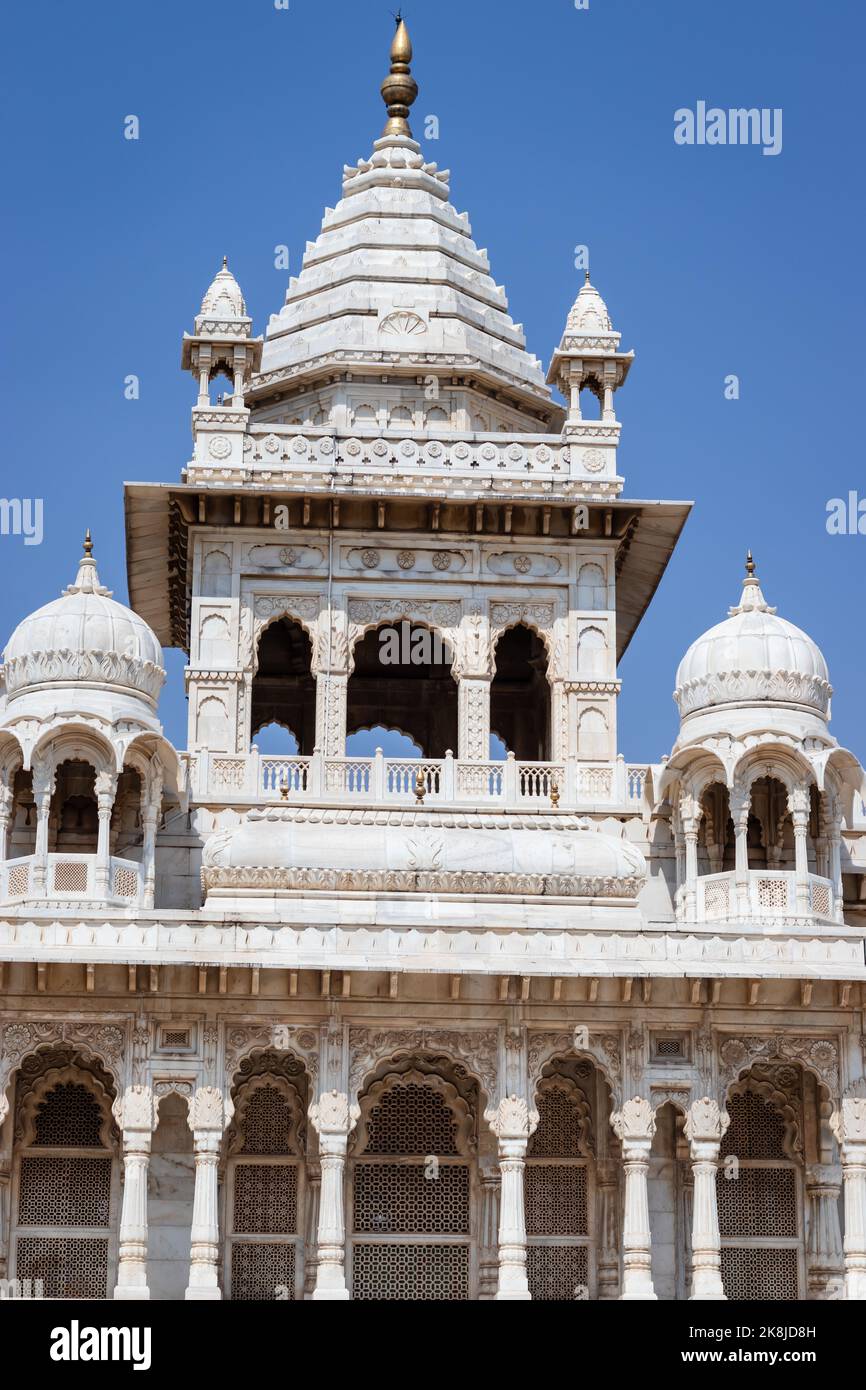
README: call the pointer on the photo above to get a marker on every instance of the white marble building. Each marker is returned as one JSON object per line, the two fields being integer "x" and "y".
{"x": 507, "y": 1018}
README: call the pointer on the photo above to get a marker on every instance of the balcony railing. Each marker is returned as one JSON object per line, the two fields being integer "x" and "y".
{"x": 769, "y": 893}
{"x": 255, "y": 778}
{"x": 70, "y": 878}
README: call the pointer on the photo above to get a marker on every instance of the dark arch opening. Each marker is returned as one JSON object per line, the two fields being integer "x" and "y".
{"x": 520, "y": 695}
{"x": 284, "y": 689}
{"x": 402, "y": 681}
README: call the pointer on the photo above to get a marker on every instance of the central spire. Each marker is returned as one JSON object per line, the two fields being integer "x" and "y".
{"x": 399, "y": 89}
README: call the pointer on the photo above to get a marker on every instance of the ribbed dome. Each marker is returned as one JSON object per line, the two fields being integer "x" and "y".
{"x": 85, "y": 636}
{"x": 753, "y": 655}
{"x": 589, "y": 312}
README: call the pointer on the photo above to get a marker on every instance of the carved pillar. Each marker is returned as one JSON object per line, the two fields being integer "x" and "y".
{"x": 513, "y": 1123}
{"x": 488, "y": 1258}
{"x": 705, "y": 1128}
{"x": 136, "y": 1116}
{"x": 824, "y": 1255}
{"x": 311, "y": 1226}
{"x": 43, "y": 790}
{"x": 687, "y": 1208}
{"x": 741, "y": 801}
{"x": 690, "y": 819}
{"x": 151, "y": 804}
{"x": 6, "y": 799}
{"x": 798, "y": 804}
{"x": 331, "y": 704}
{"x": 607, "y": 1268}
{"x": 634, "y": 1125}
{"x": 333, "y": 1119}
{"x": 848, "y": 1124}
{"x": 473, "y": 718}
{"x": 207, "y": 1121}
{"x": 106, "y": 786}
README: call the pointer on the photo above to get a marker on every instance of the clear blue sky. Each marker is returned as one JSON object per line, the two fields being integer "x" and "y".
{"x": 558, "y": 126}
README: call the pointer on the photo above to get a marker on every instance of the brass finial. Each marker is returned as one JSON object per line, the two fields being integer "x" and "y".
{"x": 88, "y": 544}
{"x": 399, "y": 89}
{"x": 554, "y": 792}
{"x": 750, "y": 565}
{"x": 225, "y": 262}
{"x": 420, "y": 786}
{"x": 586, "y": 276}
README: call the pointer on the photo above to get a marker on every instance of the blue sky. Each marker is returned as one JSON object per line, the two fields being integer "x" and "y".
{"x": 557, "y": 125}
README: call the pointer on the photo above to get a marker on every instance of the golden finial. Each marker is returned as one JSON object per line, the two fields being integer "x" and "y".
{"x": 420, "y": 786}
{"x": 225, "y": 262}
{"x": 750, "y": 565}
{"x": 88, "y": 544}
{"x": 399, "y": 89}
{"x": 554, "y": 792}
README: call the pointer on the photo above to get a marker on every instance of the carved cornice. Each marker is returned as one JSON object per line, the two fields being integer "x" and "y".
{"x": 100, "y": 668}
{"x": 419, "y": 881}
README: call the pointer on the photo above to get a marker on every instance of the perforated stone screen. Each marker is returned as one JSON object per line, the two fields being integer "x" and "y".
{"x": 758, "y": 1202}
{"x": 267, "y": 1122}
{"x": 411, "y": 1119}
{"x": 756, "y": 1130}
{"x": 763, "y": 1274}
{"x": 557, "y": 1271}
{"x": 258, "y": 1269}
{"x": 64, "y": 1192}
{"x": 555, "y": 1196}
{"x": 68, "y": 1267}
{"x": 558, "y": 1131}
{"x": 410, "y": 1271}
{"x": 265, "y": 1198}
{"x": 68, "y": 1118}
{"x": 398, "y": 1198}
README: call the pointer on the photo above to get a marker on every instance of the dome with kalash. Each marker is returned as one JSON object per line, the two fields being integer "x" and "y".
{"x": 753, "y": 657}
{"x": 85, "y": 639}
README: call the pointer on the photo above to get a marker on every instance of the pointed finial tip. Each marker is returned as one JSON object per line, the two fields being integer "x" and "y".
{"x": 586, "y": 276}
{"x": 399, "y": 89}
{"x": 225, "y": 262}
{"x": 88, "y": 543}
{"x": 750, "y": 565}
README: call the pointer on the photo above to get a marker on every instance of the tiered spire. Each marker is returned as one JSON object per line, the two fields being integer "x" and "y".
{"x": 87, "y": 578}
{"x": 752, "y": 599}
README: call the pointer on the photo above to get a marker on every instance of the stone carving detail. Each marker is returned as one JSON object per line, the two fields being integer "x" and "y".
{"x": 705, "y": 1121}
{"x": 512, "y": 1118}
{"x": 104, "y": 668}
{"x": 437, "y": 612}
{"x": 476, "y": 1049}
{"x": 604, "y": 1048}
{"x": 207, "y": 1110}
{"x": 104, "y": 1041}
{"x": 636, "y": 1120}
{"x": 241, "y": 1042}
{"x": 136, "y": 1109}
{"x": 419, "y": 881}
{"x": 818, "y": 1055}
{"x": 332, "y": 1113}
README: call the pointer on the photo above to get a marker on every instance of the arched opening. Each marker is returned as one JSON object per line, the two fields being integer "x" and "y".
{"x": 520, "y": 695}
{"x": 591, "y": 399}
{"x": 392, "y": 742}
{"x": 664, "y": 1181}
{"x": 770, "y": 833}
{"x": 73, "y": 825}
{"x": 414, "y": 1178}
{"x": 759, "y": 1188}
{"x": 284, "y": 689}
{"x": 22, "y": 826}
{"x": 265, "y": 1186}
{"x": 402, "y": 682}
{"x": 126, "y": 829}
{"x": 65, "y": 1179}
{"x": 559, "y": 1188}
{"x": 716, "y": 842}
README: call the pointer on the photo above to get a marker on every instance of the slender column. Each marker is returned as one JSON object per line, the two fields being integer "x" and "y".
{"x": 151, "y": 805}
{"x": 634, "y": 1126}
{"x": 690, "y": 820}
{"x": 824, "y": 1254}
{"x": 488, "y": 1261}
{"x": 848, "y": 1124}
{"x": 43, "y": 790}
{"x": 106, "y": 786}
{"x": 513, "y": 1123}
{"x": 473, "y": 719}
{"x": 5, "y": 820}
{"x": 741, "y": 801}
{"x": 608, "y": 410}
{"x": 207, "y": 1121}
{"x": 798, "y": 805}
{"x": 607, "y": 1186}
{"x": 331, "y": 703}
{"x": 687, "y": 1199}
{"x": 705, "y": 1128}
{"x": 136, "y": 1115}
{"x": 311, "y": 1226}
{"x": 333, "y": 1119}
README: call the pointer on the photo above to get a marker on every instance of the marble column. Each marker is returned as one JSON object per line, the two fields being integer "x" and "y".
{"x": 634, "y": 1126}
{"x": 151, "y": 805}
{"x": 513, "y": 1123}
{"x": 705, "y": 1128}
{"x": 824, "y": 1255}
{"x": 488, "y": 1258}
{"x": 136, "y": 1115}
{"x": 333, "y": 1119}
{"x": 6, "y": 800}
{"x": 106, "y": 785}
{"x": 740, "y": 803}
{"x": 311, "y": 1226}
{"x": 607, "y": 1269}
{"x": 848, "y": 1124}
{"x": 207, "y": 1122}
{"x": 473, "y": 719}
{"x": 43, "y": 790}
{"x": 798, "y": 805}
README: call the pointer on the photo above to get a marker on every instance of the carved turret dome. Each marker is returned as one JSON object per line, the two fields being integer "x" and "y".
{"x": 589, "y": 314}
{"x": 753, "y": 656}
{"x": 223, "y": 298}
{"x": 84, "y": 638}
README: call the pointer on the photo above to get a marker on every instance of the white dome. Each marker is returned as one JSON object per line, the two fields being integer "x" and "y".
{"x": 589, "y": 312}
{"x": 753, "y": 655}
{"x": 223, "y": 298}
{"x": 85, "y": 637}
